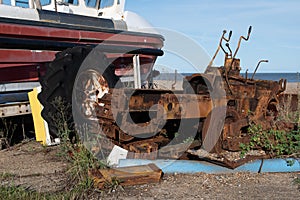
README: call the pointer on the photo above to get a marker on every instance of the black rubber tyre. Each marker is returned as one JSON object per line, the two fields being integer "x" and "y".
{"x": 60, "y": 77}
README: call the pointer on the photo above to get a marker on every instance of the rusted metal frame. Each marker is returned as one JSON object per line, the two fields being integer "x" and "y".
{"x": 233, "y": 143}
{"x": 177, "y": 150}
{"x": 257, "y": 67}
{"x": 234, "y": 164}
{"x": 220, "y": 46}
{"x": 232, "y": 135}
{"x": 147, "y": 129}
{"x": 176, "y": 106}
{"x": 240, "y": 40}
{"x": 144, "y": 102}
{"x": 263, "y": 97}
{"x": 145, "y": 149}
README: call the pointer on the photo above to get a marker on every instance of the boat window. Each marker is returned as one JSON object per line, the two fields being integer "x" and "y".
{"x": 91, "y": 3}
{"x": 22, "y": 3}
{"x": 106, "y": 3}
{"x": 6, "y": 2}
{"x": 25, "y": 3}
{"x": 45, "y": 2}
{"x": 73, "y": 2}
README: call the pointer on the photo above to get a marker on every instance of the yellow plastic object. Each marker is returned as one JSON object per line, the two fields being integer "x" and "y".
{"x": 40, "y": 126}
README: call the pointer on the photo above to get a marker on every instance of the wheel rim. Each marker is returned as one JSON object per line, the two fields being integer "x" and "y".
{"x": 90, "y": 86}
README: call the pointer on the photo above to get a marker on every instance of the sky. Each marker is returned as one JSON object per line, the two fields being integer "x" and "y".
{"x": 275, "y": 28}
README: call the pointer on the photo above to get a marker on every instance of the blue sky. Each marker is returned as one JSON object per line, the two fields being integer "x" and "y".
{"x": 275, "y": 34}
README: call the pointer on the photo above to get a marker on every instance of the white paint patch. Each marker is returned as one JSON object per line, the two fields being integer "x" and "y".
{"x": 18, "y": 12}
{"x": 115, "y": 155}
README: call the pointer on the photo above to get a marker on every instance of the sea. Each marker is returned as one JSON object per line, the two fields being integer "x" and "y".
{"x": 290, "y": 77}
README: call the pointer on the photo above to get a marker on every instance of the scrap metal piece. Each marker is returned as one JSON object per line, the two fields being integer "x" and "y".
{"x": 223, "y": 102}
{"x": 135, "y": 175}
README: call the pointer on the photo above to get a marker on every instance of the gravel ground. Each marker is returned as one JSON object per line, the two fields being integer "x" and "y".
{"x": 39, "y": 168}
{"x": 33, "y": 166}
{"x": 209, "y": 186}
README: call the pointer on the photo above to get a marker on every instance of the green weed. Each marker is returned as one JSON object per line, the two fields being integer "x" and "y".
{"x": 114, "y": 184}
{"x": 9, "y": 192}
{"x": 6, "y": 175}
{"x": 275, "y": 143}
{"x": 73, "y": 150}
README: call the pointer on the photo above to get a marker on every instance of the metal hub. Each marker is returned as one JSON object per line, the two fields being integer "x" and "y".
{"x": 91, "y": 86}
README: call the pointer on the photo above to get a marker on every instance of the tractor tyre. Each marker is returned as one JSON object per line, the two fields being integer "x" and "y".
{"x": 58, "y": 83}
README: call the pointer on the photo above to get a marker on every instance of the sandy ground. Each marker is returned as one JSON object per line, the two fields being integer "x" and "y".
{"x": 39, "y": 168}
{"x": 33, "y": 166}
{"x": 222, "y": 186}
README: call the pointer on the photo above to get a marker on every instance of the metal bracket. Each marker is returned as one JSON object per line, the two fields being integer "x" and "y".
{"x": 14, "y": 109}
{"x": 137, "y": 72}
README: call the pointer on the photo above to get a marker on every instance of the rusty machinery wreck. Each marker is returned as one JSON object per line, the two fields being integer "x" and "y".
{"x": 96, "y": 58}
{"x": 147, "y": 121}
